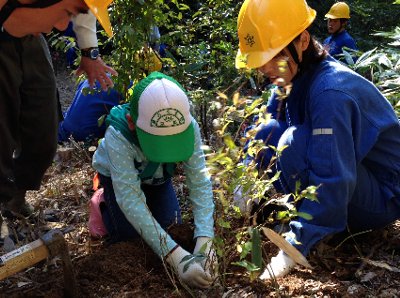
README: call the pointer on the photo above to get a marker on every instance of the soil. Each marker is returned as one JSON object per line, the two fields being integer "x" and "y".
{"x": 364, "y": 266}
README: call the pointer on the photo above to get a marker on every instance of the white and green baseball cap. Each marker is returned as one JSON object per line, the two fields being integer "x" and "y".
{"x": 161, "y": 112}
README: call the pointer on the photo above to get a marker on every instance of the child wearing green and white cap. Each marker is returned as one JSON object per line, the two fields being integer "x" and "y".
{"x": 136, "y": 160}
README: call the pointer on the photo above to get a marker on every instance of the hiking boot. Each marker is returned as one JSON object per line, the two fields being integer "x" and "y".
{"x": 18, "y": 205}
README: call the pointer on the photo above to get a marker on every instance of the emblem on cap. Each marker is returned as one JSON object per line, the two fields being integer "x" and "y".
{"x": 167, "y": 118}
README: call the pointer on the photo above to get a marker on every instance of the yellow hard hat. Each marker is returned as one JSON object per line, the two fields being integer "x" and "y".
{"x": 265, "y": 27}
{"x": 99, "y": 9}
{"x": 149, "y": 59}
{"x": 152, "y": 61}
{"x": 339, "y": 10}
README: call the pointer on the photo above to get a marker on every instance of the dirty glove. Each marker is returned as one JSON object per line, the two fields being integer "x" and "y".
{"x": 204, "y": 246}
{"x": 278, "y": 267}
{"x": 194, "y": 275}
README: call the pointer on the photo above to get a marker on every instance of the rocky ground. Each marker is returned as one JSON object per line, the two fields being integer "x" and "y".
{"x": 363, "y": 266}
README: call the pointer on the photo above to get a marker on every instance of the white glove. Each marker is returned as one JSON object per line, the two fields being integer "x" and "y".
{"x": 278, "y": 267}
{"x": 204, "y": 246}
{"x": 194, "y": 275}
{"x": 241, "y": 201}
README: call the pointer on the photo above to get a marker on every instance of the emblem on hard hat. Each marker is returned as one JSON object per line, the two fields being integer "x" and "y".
{"x": 249, "y": 40}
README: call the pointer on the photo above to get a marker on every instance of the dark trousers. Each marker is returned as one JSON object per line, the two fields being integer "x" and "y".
{"x": 160, "y": 199}
{"x": 28, "y": 114}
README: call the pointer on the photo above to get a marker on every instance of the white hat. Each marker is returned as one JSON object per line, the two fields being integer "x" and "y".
{"x": 161, "y": 112}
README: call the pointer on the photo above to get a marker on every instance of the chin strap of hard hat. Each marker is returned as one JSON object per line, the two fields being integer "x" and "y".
{"x": 293, "y": 52}
{"x": 7, "y": 10}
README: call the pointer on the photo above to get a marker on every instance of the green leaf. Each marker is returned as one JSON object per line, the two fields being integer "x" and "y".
{"x": 348, "y": 57}
{"x": 194, "y": 66}
{"x": 244, "y": 249}
{"x": 191, "y": 259}
{"x": 229, "y": 142}
{"x": 248, "y": 265}
{"x": 187, "y": 258}
{"x": 384, "y": 60}
{"x": 304, "y": 215}
{"x": 280, "y": 215}
{"x": 170, "y": 56}
{"x": 101, "y": 120}
{"x": 224, "y": 224}
{"x": 256, "y": 251}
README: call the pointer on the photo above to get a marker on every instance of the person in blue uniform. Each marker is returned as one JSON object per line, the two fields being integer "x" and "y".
{"x": 81, "y": 120}
{"x": 337, "y": 20}
{"x": 341, "y": 133}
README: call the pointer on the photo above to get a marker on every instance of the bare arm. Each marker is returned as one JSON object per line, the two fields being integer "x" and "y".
{"x": 85, "y": 30}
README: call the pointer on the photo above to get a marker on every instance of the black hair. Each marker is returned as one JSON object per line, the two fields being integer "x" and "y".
{"x": 313, "y": 55}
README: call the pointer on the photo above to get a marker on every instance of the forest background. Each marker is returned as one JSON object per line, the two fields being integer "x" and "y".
{"x": 202, "y": 45}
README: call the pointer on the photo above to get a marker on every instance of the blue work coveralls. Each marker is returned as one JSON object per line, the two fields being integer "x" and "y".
{"x": 343, "y": 136}
{"x": 336, "y": 42}
{"x": 81, "y": 121}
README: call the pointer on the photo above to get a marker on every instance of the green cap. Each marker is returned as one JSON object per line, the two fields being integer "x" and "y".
{"x": 161, "y": 112}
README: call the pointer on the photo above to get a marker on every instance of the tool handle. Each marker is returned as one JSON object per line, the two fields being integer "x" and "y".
{"x": 23, "y": 257}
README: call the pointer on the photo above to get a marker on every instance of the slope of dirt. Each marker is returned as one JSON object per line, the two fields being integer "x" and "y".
{"x": 363, "y": 266}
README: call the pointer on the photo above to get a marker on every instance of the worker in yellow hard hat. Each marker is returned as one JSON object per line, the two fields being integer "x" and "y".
{"x": 28, "y": 94}
{"x": 337, "y": 20}
{"x": 333, "y": 130}
{"x": 148, "y": 60}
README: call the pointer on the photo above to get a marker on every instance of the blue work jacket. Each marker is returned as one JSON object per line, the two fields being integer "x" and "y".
{"x": 336, "y": 42}
{"x": 364, "y": 130}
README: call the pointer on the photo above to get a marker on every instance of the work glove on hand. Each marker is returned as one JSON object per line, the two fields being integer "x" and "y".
{"x": 194, "y": 275}
{"x": 279, "y": 266}
{"x": 205, "y": 247}
{"x": 241, "y": 200}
